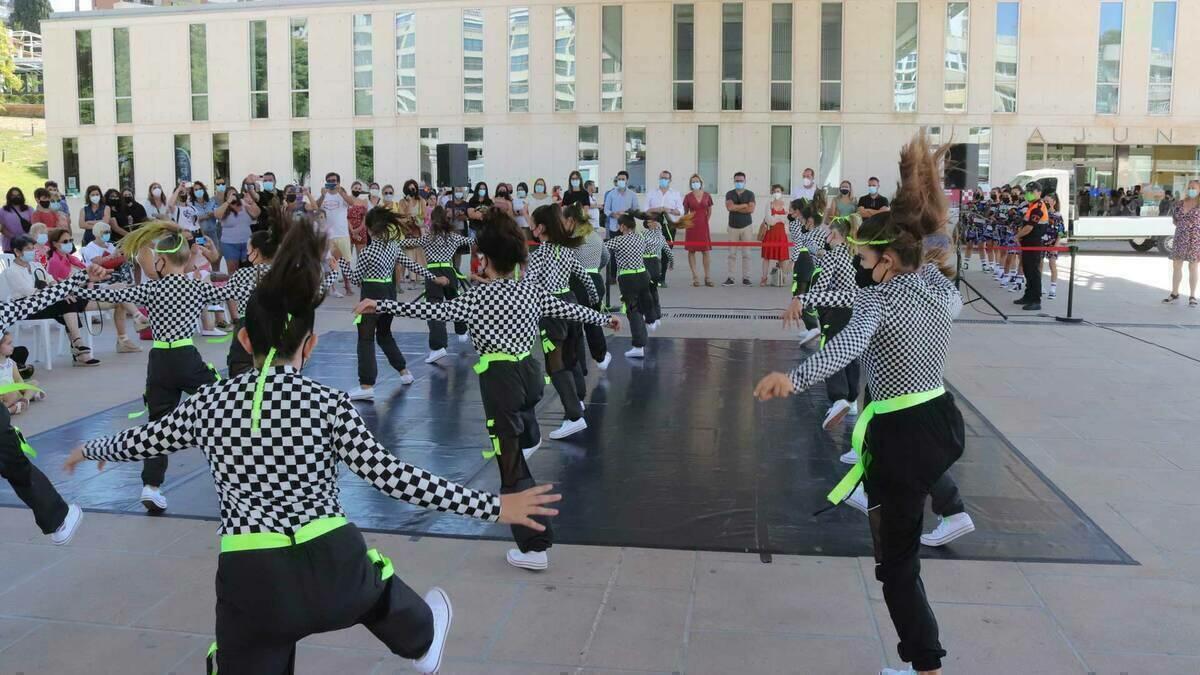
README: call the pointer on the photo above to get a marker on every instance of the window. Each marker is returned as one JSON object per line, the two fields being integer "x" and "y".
{"x": 904, "y": 93}
{"x": 831, "y": 56}
{"x": 428, "y": 158}
{"x": 708, "y": 147}
{"x": 518, "y": 59}
{"x": 635, "y": 157}
{"x": 731, "y": 56}
{"x": 83, "y": 70}
{"x": 954, "y": 82}
{"x": 364, "y": 155}
{"x": 220, "y": 149}
{"x": 121, "y": 76}
{"x": 1004, "y": 87}
{"x": 259, "y": 106}
{"x": 781, "y": 157}
{"x": 983, "y": 137}
{"x": 301, "y": 157}
{"x": 1108, "y": 68}
{"x": 611, "y": 37}
{"x": 364, "y": 65}
{"x": 1162, "y": 58}
{"x": 781, "y": 56}
{"x": 406, "y": 62}
{"x": 299, "y": 67}
{"x": 589, "y": 152}
{"x": 125, "y": 177}
{"x": 473, "y": 136}
{"x": 831, "y": 156}
{"x": 684, "y": 57}
{"x": 472, "y": 36}
{"x": 198, "y": 55}
{"x": 564, "y": 59}
{"x": 183, "y": 158}
{"x": 70, "y": 155}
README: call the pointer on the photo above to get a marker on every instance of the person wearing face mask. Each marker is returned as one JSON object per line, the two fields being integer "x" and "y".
{"x": 774, "y": 235}
{"x": 698, "y": 204}
{"x": 503, "y": 199}
{"x": 540, "y": 197}
{"x": 94, "y": 211}
{"x": 122, "y": 216}
{"x": 478, "y": 205}
{"x": 619, "y": 201}
{"x": 101, "y": 251}
{"x": 184, "y": 214}
{"x": 58, "y": 200}
{"x": 872, "y": 202}
{"x": 15, "y": 217}
{"x": 237, "y": 216}
{"x": 1186, "y": 215}
{"x": 204, "y": 206}
{"x": 356, "y": 214}
{"x": 41, "y": 237}
{"x": 1035, "y": 219}
{"x": 666, "y": 205}
{"x": 335, "y": 203}
{"x": 44, "y": 213}
{"x": 268, "y": 195}
{"x": 520, "y": 203}
{"x": 807, "y": 188}
{"x": 739, "y": 202}
{"x": 156, "y": 203}
{"x": 843, "y": 204}
{"x": 25, "y": 277}
{"x": 135, "y": 212}
{"x": 575, "y": 194}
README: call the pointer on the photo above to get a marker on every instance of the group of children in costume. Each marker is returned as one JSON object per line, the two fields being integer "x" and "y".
{"x": 990, "y": 225}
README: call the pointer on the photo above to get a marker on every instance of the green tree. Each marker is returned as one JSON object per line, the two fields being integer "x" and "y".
{"x": 28, "y": 14}
{"x": 9, "y": 82}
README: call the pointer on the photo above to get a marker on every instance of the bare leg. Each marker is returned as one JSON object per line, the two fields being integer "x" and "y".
{"x": 692, "y": 265}
{"x": 1176, "y": 276}
{"x": 119, "y": 321}
{"x": 704, "y": 255}
{"x": 1193, "y": 272}
{"x": 1053, "y": 270}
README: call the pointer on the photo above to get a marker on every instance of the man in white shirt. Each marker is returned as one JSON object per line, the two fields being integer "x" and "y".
{"x": 335, "y": 202}
{"x": 666, "y": 201}
{"x": 807, "y": 187}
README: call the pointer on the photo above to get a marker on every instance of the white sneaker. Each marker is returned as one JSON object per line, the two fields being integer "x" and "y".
{"x": 464, "y": 338}
{"x": 69, "y": 524}
{"x": 636, "y": 353}
{"x": 406, "y": 378}
{"x": 582, "y": 405}
{"x": 568, "y": 428}
{"x": 337, "y": 293}
{"x": 949, "y": 529}
{"x": 1053, "y": 292}
{"x": 893, "y": 671}
{"x": 533, "y": 560}
{"x": 853, "y": 409}
{"x": 858, "y": 500}
{"x": 652, "y": 326}
{"x": 435, "y": 356}
{"x": 361, "y": 394}
{"x": 212, "y": 332}
{"x": 153, "y": 499}
{"x": 528, "y": 452}
{"x": 849, "y": 457}
{"x": 837, "y": 412}
{"x": 603, "y": 365}
{"x": 809, "y": 335}
{"x": 443, "y": 613}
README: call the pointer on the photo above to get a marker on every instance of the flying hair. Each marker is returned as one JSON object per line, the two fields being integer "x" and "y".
{"x": 162, "y": 238}
{"x": 550, "y": 217}
{"x": 383, "y": 224}
{"x": 583, "y": 225}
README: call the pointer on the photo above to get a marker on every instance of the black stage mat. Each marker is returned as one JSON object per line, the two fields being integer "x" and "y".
{"x": 678, "y": 455}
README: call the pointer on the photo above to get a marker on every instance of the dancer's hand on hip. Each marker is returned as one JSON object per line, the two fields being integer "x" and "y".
{"x": 518, "y": 507}
{"x": 774, "y": 385}
{"x": 367, "y": 306}
{"x": 442, "y": 281}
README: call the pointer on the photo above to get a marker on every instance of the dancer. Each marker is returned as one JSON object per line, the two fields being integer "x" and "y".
{"x": 837, "y": 274}
{"x": 912, "y": 431}
{"x": 551, "y": 266}
{"x": 594, "y": 257}
{"x": 440, "y": 247}
{"x": 373, "y": 273}
{"x": 805, "y": 239}
{"x": 503, "y": 316}
{"x": 291, "y": 565}
{"x": 627, "y": 249}
{"x": 656, "y": 246}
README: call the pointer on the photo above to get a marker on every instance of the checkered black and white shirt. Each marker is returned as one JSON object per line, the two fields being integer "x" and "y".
{"x": 800, "y": 240}
{"x": 656, "y": 244}
{"x": 16, "y": 310}
{"x": 285, "y": 475}
{"x": 502, "y": 315}
{"x": 591, "y": 253}
{"x": 628, "y": 250}
{"x": 246, "y": 280}
{"x": 378, "y": 260}
{"x": 900, "y": 330}
{"x": 551, "y": 266}
{"x": 837, "y": 271}
{"x": 439, "y": 248}
{"x": 175, "y": 302}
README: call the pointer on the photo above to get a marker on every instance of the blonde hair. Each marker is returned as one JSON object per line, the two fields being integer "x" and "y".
{"x": 38, "y": 228}
{"x": 163, "y": 236}
{"x": 100, "y": 229}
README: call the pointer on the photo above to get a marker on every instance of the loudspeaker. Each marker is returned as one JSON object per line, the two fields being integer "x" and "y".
{"x": 962, "y": 166}
{"x": 452, "y": 165}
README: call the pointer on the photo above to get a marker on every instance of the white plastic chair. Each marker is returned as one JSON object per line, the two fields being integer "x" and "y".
{"x": 41, "y": 328}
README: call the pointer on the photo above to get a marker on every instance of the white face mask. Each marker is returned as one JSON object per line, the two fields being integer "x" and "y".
{"x": 695, "y": 185}
{"x": 808, "y": 182}
{"x": 777, "y": 195}
{"x": 539, "y": 189}
{"x": 95, "y": 199}
{"x": 157, "y": 192}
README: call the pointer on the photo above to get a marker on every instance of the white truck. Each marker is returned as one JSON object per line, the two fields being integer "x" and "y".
{"x": 1143, "y": 232}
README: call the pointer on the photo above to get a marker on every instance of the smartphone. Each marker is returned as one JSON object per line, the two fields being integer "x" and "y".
{"x": 200, "y": 240}
{"x": 329, "y": 185}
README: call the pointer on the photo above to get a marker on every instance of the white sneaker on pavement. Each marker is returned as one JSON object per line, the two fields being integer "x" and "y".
{"x": 362, "y": 394}
{"x": 70, "y": 524}
{"x": 858, "y": 500}
{"x": 435, "y": 356}
{"x": 528, "y": 452}
{"x": 443, "y": 614}
{"x": 853, "y": 409}
{"x": 635, "y": 353}
{"x": 809, "y": 335}
{"x": 836, "y": 413}
{"x": 153, "y": 499}
{"x": 568, "y": 428}
{"x": 464, "y": 338}
{"x": 407, "y": 378}
{"x": 603, "y": 365}
{"x": 849, "y": 457}
{"x": 949, "y": 529}
{"x": 533, "y": 560}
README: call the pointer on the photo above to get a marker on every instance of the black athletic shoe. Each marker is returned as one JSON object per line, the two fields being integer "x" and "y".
{"x": 728, "y": 282}
{"x": 1022, "y": 301}
{"x": 746, "y": 282}
{"x": 26, "y": 372}
{"x": 1032, "y": 307}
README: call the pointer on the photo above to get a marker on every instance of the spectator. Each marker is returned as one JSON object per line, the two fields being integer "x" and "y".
{"x": 185, "y": 214}
{"x": 739, "y": 202}
{"x": 336, "y": 202}
{"x": 1166, "y": 204}
{"x": 237, "y": 215}
{"x": 538, "y": 199}
{"x": 356, "y": 214}
{"x": 204, "y": 205}
{"x": 45, "y": 213}
{"x": 593, "y": 205}
{"x": 843, "y": 204}
{"x": 267, "y": 198}
{"x": 60, "y": 259}
{"x": 26, "y": 277}
{"x": 575, "y": 194}
{"x": 41, "y": 238}
{"x": 1187, "y": 244}
{"x": 521, "y": 206}
{"x": 665, "y": 204}
{"x": 775, "y": 237}
{"x": 131, "y": 214}
{"x": 1084, "y": 200}
{"x": 16, "y": 402}
{"x": 16, "y": 217}
{"x": 58, "y": 200}
{"x": 478, "y": 205}
{"x": 699, "y": 204}
{"x": 807, "y": 188}
{"x": 456, "y": 209}
{"x": 103, "y": 252}
{"x": 873, "y": 202}
{"x": 156, "y": 204}
{"x": 618, "y": 201}
{"x": 503, "y": 199}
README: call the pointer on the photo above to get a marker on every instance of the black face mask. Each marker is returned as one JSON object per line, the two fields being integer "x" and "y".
{"x": 128, "y": 199}
{"x": 356, "y": 192}
{"x": 114, "y": 201}
{"x": 845, "y": 191}
{"x": 411, "y": 192}
{"x": 45, "y": 203}
{"x": 17, "y": 201}
{"x": 862, "y": 276}
{"x": 290, "y": 198}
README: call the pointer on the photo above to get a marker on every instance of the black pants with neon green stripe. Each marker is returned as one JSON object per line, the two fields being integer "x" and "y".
{"x": 842, "y": 385}
{"x": 377, "y": 329}
{"x": 169, "y": 374}
{"x": 635, "y": 294}
{"x": 510, "y": 393}
{"x": 654, "y": 269}
{"x": 270, "y": 599}
{"x": 30, "y": 484}
{"x": 803, "y": 271}
{"x": 435, "y": 293}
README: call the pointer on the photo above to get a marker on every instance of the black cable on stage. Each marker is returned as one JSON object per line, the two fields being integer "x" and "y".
{"x": 1143, "y": 340}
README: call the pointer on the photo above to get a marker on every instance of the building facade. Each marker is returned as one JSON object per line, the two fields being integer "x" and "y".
{"x": 538, "y": 88}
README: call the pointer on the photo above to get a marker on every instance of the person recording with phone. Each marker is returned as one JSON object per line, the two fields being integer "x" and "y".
{"x": 336, "y": 203}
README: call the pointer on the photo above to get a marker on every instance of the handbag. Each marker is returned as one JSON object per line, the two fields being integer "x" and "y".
{"x": 762, "y": 231}
{"x": 111, "y": 261}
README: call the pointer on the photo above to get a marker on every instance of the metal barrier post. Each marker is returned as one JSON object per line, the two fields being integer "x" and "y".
{"x": 1070, "y": 317}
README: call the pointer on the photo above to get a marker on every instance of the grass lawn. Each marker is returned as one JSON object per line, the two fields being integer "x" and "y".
{"x": 22, "y": 161}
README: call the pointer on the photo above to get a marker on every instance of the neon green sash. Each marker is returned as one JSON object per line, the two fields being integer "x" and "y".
{"x": 622, "y": 273}
{"x": 186, "y": 342}
{"x": 255, "y": 541}
{"x": 486, "y": 360}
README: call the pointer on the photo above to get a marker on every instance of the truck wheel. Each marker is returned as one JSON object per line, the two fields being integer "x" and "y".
{"x": 1166, "y": 245}
{"x": 1146, "y": 245}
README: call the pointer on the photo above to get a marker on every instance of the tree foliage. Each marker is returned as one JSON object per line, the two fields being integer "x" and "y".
{"x": 28, "y": 14}
{"x": 9, "y": 82}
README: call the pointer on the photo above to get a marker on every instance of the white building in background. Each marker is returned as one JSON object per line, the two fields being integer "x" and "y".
{"x": 538, "y": 88}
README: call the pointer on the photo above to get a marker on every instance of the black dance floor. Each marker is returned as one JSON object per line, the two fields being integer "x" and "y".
{"x": 678, "y": 455}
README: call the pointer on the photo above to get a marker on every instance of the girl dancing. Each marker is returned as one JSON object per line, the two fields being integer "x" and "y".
{"x": 440, "y": 247}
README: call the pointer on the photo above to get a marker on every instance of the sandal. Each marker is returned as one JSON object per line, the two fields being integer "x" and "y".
{"x": 1192, "y": 302}
{"x": 82, "y": 356}
{"x": 762, "y": 282}
{"x": 709, "y": 283}
{"x": 1170, "y": 298}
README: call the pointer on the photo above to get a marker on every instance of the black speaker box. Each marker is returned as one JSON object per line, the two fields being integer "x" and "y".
{"x": 452, "y": 165}
{"x": 962, "y": 166}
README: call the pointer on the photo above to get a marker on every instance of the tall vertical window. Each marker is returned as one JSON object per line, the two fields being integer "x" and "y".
{"x": 198, "y": 57}
{"x": 831, "y": 56}
{"x": 830, "y": 161}
{"x": 259, "y": 106}
{"x": 731, "y": 56}
{"x": 635, "y": 157}
{"x": 121, "y": 77}
{"x": 70, "y": 155}
{"x": 518, "y": 59}
{"x": 904, "y": 79}
{"x": 781, "y": 157}
{"x": 1108, "y": 69}
{"x": 220, "y": 150}
{"x": 611, "y": 53}
{"x": 781, "y": 56}
{"x": 299, "y": 67}
{"x": 125, "y": 177}
{"x": 406, "y": 62}
{"x": 708, "y": 157}
{"x": 428, "y": 159}
{"x": 1162, "y": 57}
{"x": 684, "y": 71}
{"x": 301, "y": 156}
{"x": 1004, "y": 87}
{"x": 85, "y": 83}
{"x": 982, "y": 136}
{"x": 954, "y": 82}
{"x": 183, "y": 158}
{"x": 364, "y": 65}
{"x": 564, "y": 59}
{"x": 589, "y": 152}
{"x": 472, "y": 37}
{"x": 364, "y": 155}
{"x": 473, "y": 136}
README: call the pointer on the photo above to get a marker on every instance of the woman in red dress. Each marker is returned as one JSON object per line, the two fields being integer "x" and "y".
{"x": 775, "y": 241}
{"x": 698, "y": 240}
